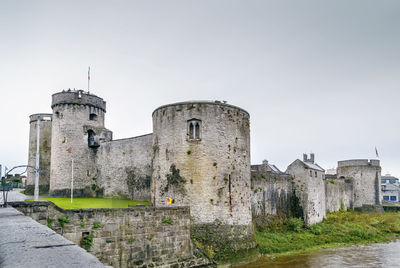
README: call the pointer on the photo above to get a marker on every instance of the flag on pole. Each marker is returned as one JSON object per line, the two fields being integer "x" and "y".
{"x": 376, "y": 152}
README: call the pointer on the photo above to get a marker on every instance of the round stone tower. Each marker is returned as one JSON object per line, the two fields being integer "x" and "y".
{"x": 78, "y": 118}
{"x": 44, "y": 153}
{"x": 366, "y": 177}
{"x": 202, "y": 160}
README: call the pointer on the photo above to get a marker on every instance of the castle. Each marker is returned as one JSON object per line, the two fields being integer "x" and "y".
{"x": 197, "y": 156}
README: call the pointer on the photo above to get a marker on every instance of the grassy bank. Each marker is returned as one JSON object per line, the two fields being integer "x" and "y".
{"x": 338, "y": 229}
{"x": 77, "y": 203}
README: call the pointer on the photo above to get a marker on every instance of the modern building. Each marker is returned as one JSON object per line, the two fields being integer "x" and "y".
{"x": 390, "y": 188}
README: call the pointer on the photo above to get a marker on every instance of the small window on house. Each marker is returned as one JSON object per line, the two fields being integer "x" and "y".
{"x": 383, "y": 181}
{"x": 315, "y": 174}
{"x": 93, "y": 117}
{"x": 393, "y": 198}
{"x": 194, "y": 129}
{"x": 58, "y": 114}
{"x": 386, "y": 198}
{"x": 310, "y": 173}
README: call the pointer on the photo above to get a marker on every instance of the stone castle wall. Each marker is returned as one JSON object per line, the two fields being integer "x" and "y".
{"x": 44, "y": 152}
{"x": 366, "y": 176}
{"x": 272, "y": 193}
{"x": 70, "y": 130}
{"x": 126, "y": 237}
{"x": 339, "y": 193}
{"x": 124, "y": 167}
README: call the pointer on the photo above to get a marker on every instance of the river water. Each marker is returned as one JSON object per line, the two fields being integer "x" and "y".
{"x": 375, "y": 255}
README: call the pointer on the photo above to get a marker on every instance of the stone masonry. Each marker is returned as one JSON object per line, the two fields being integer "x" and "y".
{"x": 309, "y": 188}
{"x": 44, "y": 150}
{"x": 126, "y": 237}
{"x": 366, "y": 176}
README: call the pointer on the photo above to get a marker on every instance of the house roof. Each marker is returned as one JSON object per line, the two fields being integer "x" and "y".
{"x": 274, "y": 168}
{"x": 270, "y": 168}
{"x": 388, "y": 177}
{"x": 313, "y": 166}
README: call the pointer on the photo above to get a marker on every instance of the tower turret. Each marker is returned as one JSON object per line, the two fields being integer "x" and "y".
{"x": 44, "y": 153}
{"x": 202, "y": 160}
{"x": 366, "y": 176}
{"x": 77, "y": 129}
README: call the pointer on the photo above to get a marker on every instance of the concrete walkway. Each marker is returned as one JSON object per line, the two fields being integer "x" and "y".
{"x": 14, "y": 196}
{"x": 26, "y": 243}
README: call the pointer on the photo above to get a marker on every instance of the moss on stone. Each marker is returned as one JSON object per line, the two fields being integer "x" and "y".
{"x": 224, "y": 243}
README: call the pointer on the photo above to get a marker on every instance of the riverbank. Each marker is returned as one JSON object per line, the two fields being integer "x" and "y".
{"x": 338, "y": 229}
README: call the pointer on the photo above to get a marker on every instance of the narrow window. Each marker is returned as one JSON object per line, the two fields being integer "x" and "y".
{"x": 191, "y": 130}
{"x": 310, "y": 173}
{"x": 194, "y": 129}
{"x": 93, "y": 117}
{"x": 197, "y": 131}
{"x": 315, "y": 174}
{"x": 58, "y": 114}
{"x": 230, "y": 192}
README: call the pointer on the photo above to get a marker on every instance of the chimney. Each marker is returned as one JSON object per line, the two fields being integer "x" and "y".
{"x": 265, "y": 162}
{"x": 312, "y": 158}
{"x": 305, "y": 157}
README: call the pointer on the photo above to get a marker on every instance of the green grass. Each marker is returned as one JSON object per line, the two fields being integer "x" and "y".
{"x": 338, "y": 229}
{"x": 65, "y": 203}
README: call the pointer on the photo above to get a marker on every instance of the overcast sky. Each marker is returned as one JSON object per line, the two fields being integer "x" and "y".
{"x": 315, "y": 76}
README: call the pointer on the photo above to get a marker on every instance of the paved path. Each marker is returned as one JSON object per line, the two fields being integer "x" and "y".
{"x": 14, "y": 196}
{"x": 27, "y": 243}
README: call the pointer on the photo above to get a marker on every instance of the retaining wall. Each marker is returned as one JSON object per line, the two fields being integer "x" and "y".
{"x": 125, "y": 237}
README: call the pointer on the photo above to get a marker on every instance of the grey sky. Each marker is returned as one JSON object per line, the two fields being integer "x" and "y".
{"x": 320, "y": 76}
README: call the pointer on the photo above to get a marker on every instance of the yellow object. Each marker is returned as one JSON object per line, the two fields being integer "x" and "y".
{"x": 169, "y": 201}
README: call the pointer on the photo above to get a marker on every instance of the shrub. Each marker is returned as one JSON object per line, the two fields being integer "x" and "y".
{"x": 87, "y": 242}
{"x": 295, "y": 224}
{"x": 63, "y": 221}
{"x": 50, "y": 223}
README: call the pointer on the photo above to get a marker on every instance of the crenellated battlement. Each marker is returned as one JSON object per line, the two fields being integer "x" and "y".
{"x": 78, "y": 97}
{"x": 43, "y": 117}
{"x": 358, "y": 162}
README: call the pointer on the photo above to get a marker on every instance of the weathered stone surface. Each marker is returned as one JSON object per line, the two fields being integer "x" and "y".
{"x": 366, "y": 177}
{"x": 26, "y": 243}
{"x": 124, "y": 167}
{"x": 44, "y": 151}
{"x": 310, "y": 189}
{"x": 202, "y": 160}
{"x": 272, "y": 193}
{"x": 339, "y": 193}
{"x": 127, "y": 237}
{"x": 71, "y": 125}
{"x": 209, "y": 173}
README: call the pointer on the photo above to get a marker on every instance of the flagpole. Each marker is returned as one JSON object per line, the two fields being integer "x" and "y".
{"x": 88, "y": 81}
